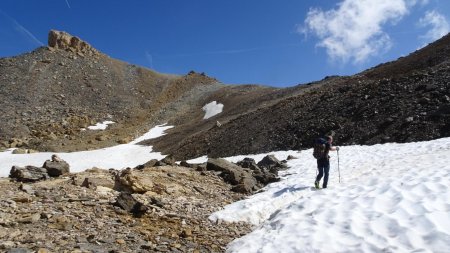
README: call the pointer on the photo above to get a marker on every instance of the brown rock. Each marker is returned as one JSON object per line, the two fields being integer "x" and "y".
{"x": 65, "y": 41}
{"x": 101, "y": 138}
{"x": 133, "y": 181}
{"x": 94, "y": 182}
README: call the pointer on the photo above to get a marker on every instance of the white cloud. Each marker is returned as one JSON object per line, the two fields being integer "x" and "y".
{"x": 354, "y": 30}
{"x": 439, "y": 26}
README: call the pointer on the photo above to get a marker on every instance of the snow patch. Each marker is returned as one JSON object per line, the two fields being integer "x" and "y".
{"x": 101, "y": 126}
{"x": 118, "y": 157}
{"x": 155, "y": 132}
{"x": 212, "y": 109}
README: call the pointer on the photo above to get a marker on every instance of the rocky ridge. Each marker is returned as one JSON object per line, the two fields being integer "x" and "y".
{"x": 47, "y": 96}
{"x": 65, "y": 41}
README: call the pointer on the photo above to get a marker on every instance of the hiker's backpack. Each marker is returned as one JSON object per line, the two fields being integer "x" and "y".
{"x": 320, "y": 146}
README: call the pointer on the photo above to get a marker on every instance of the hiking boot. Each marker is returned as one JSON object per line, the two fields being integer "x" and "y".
{"x": 316, "y": 184}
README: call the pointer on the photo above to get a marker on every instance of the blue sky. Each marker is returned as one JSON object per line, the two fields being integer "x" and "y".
{"x": 276, "y": 43}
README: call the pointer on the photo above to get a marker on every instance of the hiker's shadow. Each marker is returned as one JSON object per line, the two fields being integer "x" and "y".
{"x": 289, "y": 189}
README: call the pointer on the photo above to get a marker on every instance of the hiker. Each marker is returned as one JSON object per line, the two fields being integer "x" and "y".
{"x": 321, "y": 149}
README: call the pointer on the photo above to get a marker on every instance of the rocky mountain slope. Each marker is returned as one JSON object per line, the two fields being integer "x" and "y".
{"x": 48, "y": 95}
{"x": 402, "y": 101}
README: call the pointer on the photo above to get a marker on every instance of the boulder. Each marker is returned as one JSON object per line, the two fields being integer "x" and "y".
{"x": 270, "y": 161}
{"x": 248, "y": 163}
{"x": 231, "y": 173}
{"x": 28, "y": 173}
{"x": 56, "y": 167}
{"x": 148, "y": 164}
{"x": 265, "y": 177}
{"x": 129, "y": 203}
{"x": 265, "y": 174}
{"x": 186, "y": 164}
{"x": 246, "y": 185}
{"x": 133, "y": 181}
{"x": 200, "y": 167}
{"x": 168, "y": 160}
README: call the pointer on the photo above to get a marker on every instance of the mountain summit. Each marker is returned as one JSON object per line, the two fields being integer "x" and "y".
{"x": 49, "y": 95}
{"x": 65, "y": 41}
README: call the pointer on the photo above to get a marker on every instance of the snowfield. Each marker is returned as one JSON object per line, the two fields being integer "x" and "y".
{"x": 390, "y": 198}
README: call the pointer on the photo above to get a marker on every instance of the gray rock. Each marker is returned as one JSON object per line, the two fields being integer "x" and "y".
{"x": 56, "y": 168}
{"x": 28, "y": 173}
{"x": 231, "y": 173}
{"x": 169, "y": 160}
{"x": 148, "y": 164}
{"x": 248, "y": 163}
{"x": 270, "y": 161}
{"x": 26, "y": 188}
{"x": 246, "y": 185}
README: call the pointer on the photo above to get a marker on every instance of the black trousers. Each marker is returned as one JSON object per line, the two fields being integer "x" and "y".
{"x": 323, "y": 166}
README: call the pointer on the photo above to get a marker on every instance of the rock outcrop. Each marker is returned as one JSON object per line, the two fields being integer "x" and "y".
{"x": 65, "y": 41}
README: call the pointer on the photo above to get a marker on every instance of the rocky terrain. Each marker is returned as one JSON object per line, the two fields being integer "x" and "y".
{"x": 151, "y": 209}
{"x": 158, "y": 206}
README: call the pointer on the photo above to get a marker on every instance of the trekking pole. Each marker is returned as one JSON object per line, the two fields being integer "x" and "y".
{"x": 339, "y": 170}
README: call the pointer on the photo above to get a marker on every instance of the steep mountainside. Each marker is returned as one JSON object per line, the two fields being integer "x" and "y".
{"x": 401, "y": 101}
{"x": 48, "y": 95}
